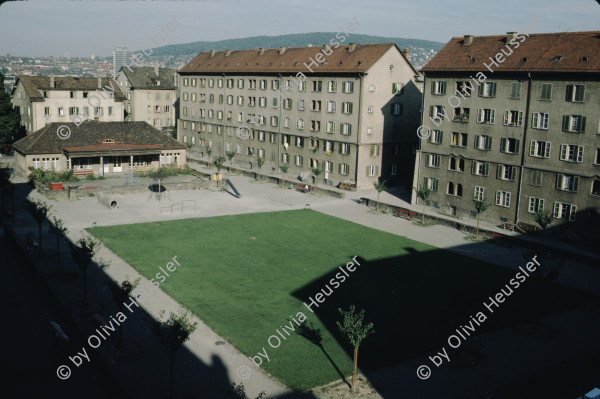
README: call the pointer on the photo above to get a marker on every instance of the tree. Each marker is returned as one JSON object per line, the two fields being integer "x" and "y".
{"x": 208, "y": 152}
{"x": 379, "y": 186}
{"x": 82, "y": 252}
{"x": 239, "y": 392}
{"x": 39, "y": 211}
{"x": 121, "y": 293}
{"x": 189, "y": 150}
{"x": 60, "y": 230}
{"x": 355, "y": 331}
{"x": 316, "y": 172}
{"x": 10, "y": 119}
{"x": 260, "y": 162}
{"x": 480, "y": 206}
{"x": 218, "y": 161}
{"x": 284, "y": 169}
{"x": 543, "y": 217}
{"x": 172, "y": 131}
{"x": 423, "y": 194}
{"x": 173, "y": 333}
{"x": 230, "y": 156}
{"x": 4, "y": 185}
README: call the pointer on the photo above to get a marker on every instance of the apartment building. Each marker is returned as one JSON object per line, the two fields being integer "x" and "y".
{"x": 45, "y": 99}
{"x": 515, "y": 119}
{"x": 149, "y": 95}
{"x": 340, "y": 109}
{"x": 121, "y": 57}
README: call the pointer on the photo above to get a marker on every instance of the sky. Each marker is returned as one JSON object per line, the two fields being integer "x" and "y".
{"x": 82, "y": 28}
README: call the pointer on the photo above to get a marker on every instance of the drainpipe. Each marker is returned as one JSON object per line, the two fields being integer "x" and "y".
{"x": 521, "y": 167}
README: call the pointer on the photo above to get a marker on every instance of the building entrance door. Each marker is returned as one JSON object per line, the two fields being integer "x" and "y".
{"x": 117, "y": 165}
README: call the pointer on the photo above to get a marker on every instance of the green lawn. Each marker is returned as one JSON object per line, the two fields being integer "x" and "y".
{"x": 244, "y": 275}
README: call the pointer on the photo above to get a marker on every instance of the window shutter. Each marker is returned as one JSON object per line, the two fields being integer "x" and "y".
{"x": 513, "y": 173}
{"x": 435, "y": 185}
{"x": 481, "y": 90}
{"x": 541, "y": 204}
{"x": 569, "y": 93}
{"x": 534, "y": 119}
{"x": 492, "y": 116}
{"x": 425, "y": 181}
{"x": 479, "y": 115}
{"x": 556, "y": 209}
{"x": 572, "y": 212}
{"x": 499, "y": 172}
{"x": 565, "y": 123}
{"x": 580, "y": 154}
{"x": 473, "y": 167}
{"x": 532, "y": 148}
{"x": 503, "y": 144}
{"x": 582, "y": 127}
{"x": 489, "y": 144}
{"x": 440, "y": 136}
{"x": 498, "y": 197}
{"x": 431, "y": 111}
{"x": 580, "y": 94}
{"x": 486, "y": 169}
{"x": 506, "y": 116}
{"x": 493, "y": 93}
{"x": 575, "y": 183}
{"x": 432, "y": 87}
{"x": 559, "y": 181}
{"x": 477, "y": 138}
{"x": 547, "y": 150}
{"x": 517, "y": 146}
{"x": 520, "y": 119}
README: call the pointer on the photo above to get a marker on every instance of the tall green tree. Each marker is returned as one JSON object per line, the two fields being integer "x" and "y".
{"x": 39, "y": 211}
{"x": 230, "y": 156}
{"x": 60, "y": 230}
{"x": 317, "y": 172}
{"x": 208, "y": 152}
{"x": 260, "y": 162}
{"x": 82, "y": 252}
{"x": 173, "y": 333}
{"x": 480, "y": 206}
{"x": 379, "y": 186}
{"x": 543, "y": 217}
{"x": 355, "y": 330}
{"x": 423, "y": 194}
{"x": 10, "y": 119}
{"x": 284, "y": 169}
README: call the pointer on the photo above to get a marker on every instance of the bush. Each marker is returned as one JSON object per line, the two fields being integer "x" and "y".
{"x": 90, "y": 177}
{"x": 101, "y": 177}
{"x": 170, "y": 170}
{"x": 49, "y": 176}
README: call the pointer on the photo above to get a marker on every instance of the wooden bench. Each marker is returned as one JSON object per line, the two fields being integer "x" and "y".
{"x": 99, "y": 319}
{"x": 301, "y": 188}
{"x": 503, "y": 240}
{"x": 82, "y": 172}
{"x": 405, "y": 213}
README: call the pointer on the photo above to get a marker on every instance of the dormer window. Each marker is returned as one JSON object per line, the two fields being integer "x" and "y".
{"x": 108, "y": 141}
{"x": 158, "y": 82}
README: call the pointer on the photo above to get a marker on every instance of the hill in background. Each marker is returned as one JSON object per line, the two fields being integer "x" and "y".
{"x": 421, "y": 51}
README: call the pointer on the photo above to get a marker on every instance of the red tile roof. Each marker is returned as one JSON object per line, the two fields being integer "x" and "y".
{"x": 544, "y": 52}
{"x": 291, "y": 61}
{"x": 33, "y": 84}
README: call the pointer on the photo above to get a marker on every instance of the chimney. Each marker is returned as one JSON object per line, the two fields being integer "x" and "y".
{"x": 282, "y": 50}
{"x": 212, "y": 53}
{"x": 99, "y": 82}
{"x": 155, "y": 67}
{"x": 261, "y": 51}
{"x": 510, "y": 36}
{"x": 52, "y": 81}
{"x": 227, "y": 53}
{"x": 406, "y": 53}
{"x": 351, "y": 47}
{"x": 468, "y": 40}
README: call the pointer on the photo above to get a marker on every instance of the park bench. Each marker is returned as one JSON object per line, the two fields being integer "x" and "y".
{"x": 301, "y": 188}
{"x": 503, "y": 240}
{"x": 99, "y": 319}
{"x": 404, "y": 213}
{"x": 83, "y": 172}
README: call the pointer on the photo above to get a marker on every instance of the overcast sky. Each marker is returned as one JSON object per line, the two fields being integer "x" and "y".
{"x": 83, "y": 28}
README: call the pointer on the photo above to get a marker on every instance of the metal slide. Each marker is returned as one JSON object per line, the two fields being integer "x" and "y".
{"x": 237, "y": 194}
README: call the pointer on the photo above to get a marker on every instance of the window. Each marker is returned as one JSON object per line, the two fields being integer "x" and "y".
{"x": 317, "y": 86}
{"x": 300, "y": 105}
{"x": 262, "y": 102}
{"x": 567, "y": 182}
{"x": 220, "y": 98}
{"x": 330, "y": 127}
{"x": 220, "y": 115}
{"x": 274, "y": 138}
{"x": 564, "y": 211}
{"x": 540, "y": 120}
{"x": 397, "y": 88}
{"x": 230, "y": 99}
{"x": 431, "y": 183}
{"x": 328, "y": 147}
{"x": 483, "y": 142}
{"x": 374, "y": 150}
{"x": 330, "y": 106}
{"x": 571, "y": 153}
{"x": 509, "y": 146}
{"x": 575, "y": 93}
{"x": 287, "y": 103}
{"x": 480, "y": 168}
{"x": 536, "y": 178}
{"x": 285, "y": 157}
{"x": 252, "y": 84}
{"x": 263, "y": 84}
{"x": 302, "y": 86}
{"x": 478, "y": 193}
{"x": 506, "y": 172}
{"x": 535, "y": 205}
{"x": 238, "y": 148}
{"x": 503, "y": 198}
{"x": 240, "y": 100}
{"x": 211, "y": 82}
{"x": 240, "y": 83}
{"x": 275, "y": 85}
{"x": 435, "y": 137}
{"x": 61, "y": 111}
{"x": 46, "y": 110}
{"x": 487, "y": 89}
{"x": 286, "y": 121}
{"x": 328, "y": 166}
{"x": 230, "y": 83}
{"x": 485, "y": 115}
{"x": 432, "y": 161}
{"x": 539, "y": 149}
{"x": 372, "y": 170}
{"x": 299, "y": 160}
{"x": 211, "y": 98}
{"x": 546, "y": 92}
{"x": 185, "y": 82}
{"x": 300, "y": 123}
{"x": 348, "y": 86}
{"x": 316, "y": 105}
{"x": 372, "y": 88}
{"x": 344, "y": 169}
{"x": 274, "y": 120}
{"x": 315, "y": 126}
{"x": 595, "y": 187}
{"x": 464, "y": 88}
{"x": 459, "y": 139}
{"x": 157, "y": 109}
{"x": 347, "y": 108}
{"x": 261, "y": 153}
{"x": 438, "y": 87}
{"x": 573, "y": 123}
{"x": 332, "y": 86}
{"x": 397, "y": 109}
{"x": 437, "y": 110}
{"x": 457, "y": 164}
{"x": 344, "y": 148}
{"x": 98, "y": 111}
{"x": 461, "y": 114}
{"x": 513, "y": 118}
{"x": 194, "y": 82}
{"x": 454, "y": 189}
{"x": 220, "y": 83}
{"x": 73, "y": 110}
{"x": 211, "y": 113}
{"x": 346, "y": 129}
{"x": 515, "y": 90}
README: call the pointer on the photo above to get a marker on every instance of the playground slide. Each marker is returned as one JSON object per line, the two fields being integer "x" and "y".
{"x": 237, "y": 194}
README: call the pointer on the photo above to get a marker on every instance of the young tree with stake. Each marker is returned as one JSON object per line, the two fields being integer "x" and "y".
{"x": 121, "y": 293}
{"x": 480, "y": 206}
{"x": 39, "y": 211}
{"x": 82, "y": 252}
{"x": 60, "y": 230}
{"x": 260, "y": 162}
{"x": 317, "y": 172}
{"x": 423, "y": 194}
{"x": 230, "y": 156}
{"x": 284, "y": 169}
{"x": 208, "y": 152}
{"x": 379, "y": 186}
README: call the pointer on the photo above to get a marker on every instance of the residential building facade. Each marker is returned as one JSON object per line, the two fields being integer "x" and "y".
{"x": 514, "y": 119}
{"x": 46, "y": 99}
{"x": 149, "y": 95}
{"x": 309, "y": 108}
